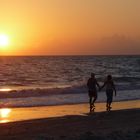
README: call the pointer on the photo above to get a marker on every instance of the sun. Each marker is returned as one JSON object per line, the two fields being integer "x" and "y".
{"x": 4, "y": 40}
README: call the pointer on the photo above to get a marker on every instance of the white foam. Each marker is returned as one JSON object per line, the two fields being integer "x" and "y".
{"x": 59, "y": 99}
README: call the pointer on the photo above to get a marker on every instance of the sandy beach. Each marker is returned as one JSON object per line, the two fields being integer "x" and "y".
{"x": 73, "y": 122}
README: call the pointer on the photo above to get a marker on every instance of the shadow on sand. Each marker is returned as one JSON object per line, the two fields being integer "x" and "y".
{"x": 119, "y": 124}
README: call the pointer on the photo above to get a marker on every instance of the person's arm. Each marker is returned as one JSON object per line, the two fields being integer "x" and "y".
{"x": 97, "y": 84}
{"x": 103, "y": 85}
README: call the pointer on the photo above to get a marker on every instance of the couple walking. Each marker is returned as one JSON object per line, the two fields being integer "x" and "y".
{"x": 92, "y": 90}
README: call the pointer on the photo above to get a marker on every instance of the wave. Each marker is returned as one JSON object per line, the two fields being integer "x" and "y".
{"x": 75, "y": 89}
{"x": 41, "y": 92}
{"x": 64, "y": 99}
{"x": 127, "y": 79}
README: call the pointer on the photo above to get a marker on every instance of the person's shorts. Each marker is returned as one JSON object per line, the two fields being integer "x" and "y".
{"x": 92, "y": 93}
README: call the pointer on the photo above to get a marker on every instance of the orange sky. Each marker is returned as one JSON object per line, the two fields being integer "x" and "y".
{"x": 67, "y": 27}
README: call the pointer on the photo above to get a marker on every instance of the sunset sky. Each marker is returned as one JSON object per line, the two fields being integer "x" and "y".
{"x": 70, "y": 27}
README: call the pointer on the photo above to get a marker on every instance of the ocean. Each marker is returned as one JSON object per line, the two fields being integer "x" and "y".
{"x": 53, "y": 80}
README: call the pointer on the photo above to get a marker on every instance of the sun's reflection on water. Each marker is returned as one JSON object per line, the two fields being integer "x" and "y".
{"x": 5, "y": 89}
{"x": 4, "y": 114}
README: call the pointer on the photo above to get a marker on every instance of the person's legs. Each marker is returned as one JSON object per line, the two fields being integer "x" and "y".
{"x": 107, "y": 104}
{"x": 91, "y": 103}
{"x": 90, "y": 99}
{"x": 109, "y": 99}
{"x": 95, "y": 98}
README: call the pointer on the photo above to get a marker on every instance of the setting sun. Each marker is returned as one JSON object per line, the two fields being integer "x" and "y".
{"x": 4, "y": 40}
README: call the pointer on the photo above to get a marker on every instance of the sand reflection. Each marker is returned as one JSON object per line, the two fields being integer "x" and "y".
{"x": 4, "y": 114}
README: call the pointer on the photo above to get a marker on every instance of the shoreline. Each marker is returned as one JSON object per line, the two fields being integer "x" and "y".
{"x": 67, "y": 104}
{"x": 29, "y": 113}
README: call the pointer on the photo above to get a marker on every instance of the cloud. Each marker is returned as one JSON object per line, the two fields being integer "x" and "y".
{"x": 118, "y": 44}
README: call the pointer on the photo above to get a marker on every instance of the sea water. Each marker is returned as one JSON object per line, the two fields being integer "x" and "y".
{"x": 54, "y": 80}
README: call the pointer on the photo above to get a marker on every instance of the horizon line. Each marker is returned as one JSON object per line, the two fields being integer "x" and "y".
{"x": 71, "y": 55}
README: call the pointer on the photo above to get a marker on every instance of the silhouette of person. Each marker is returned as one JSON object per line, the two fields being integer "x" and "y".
{"x": 110, "y": 87}
{"x": 92, "y": 90}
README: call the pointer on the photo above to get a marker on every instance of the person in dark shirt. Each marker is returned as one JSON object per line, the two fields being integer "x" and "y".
{"x": 110, "y": 88}
{"x": 92, "y": 90}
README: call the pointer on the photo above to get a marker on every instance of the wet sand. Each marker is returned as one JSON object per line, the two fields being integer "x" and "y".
{"x": 73, "y": 122}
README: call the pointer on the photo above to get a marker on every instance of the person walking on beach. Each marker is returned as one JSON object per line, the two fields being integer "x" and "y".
{"x": 110, "y": 88}
{"x": 92, "y": 90}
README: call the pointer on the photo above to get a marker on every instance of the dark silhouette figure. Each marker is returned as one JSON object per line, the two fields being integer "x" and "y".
{"x": 92, "y": 90}
{"x": 110, "y": 87}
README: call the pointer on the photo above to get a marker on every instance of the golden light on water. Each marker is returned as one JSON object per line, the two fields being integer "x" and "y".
{"x": 5, "y": 112}
{"x": 5, "y": 89}
{"x": 4, "y": 121}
